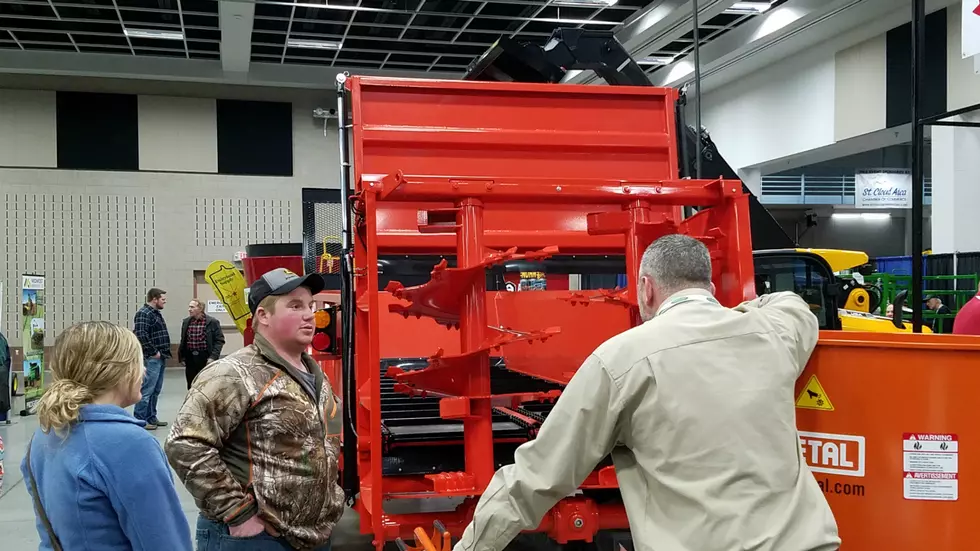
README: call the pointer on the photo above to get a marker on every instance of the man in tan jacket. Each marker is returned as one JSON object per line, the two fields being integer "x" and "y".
{"x": 257, "y": 439}
{"x": 696, "y": 407}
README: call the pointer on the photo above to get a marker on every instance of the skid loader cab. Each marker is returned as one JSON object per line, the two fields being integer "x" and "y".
{"x": 809, "y": 274}
{"x": 806, "y": 274}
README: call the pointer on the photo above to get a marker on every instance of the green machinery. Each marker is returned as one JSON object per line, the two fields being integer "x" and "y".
{"x": 889, "y": 285}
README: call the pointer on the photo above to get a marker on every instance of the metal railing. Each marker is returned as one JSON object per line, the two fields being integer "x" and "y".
{"x": 815, "y": 190}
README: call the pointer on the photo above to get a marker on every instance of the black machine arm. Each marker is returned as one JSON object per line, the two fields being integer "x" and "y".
{"x": 580, "y": 49}
{"x": 566, "y": 50}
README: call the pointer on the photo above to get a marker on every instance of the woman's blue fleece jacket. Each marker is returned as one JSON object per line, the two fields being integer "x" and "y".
{"x": 107, "y": 486}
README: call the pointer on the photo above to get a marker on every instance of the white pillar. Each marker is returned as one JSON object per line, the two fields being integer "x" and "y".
{"x": 752, "y": 178}
{"x": 956, "y": 187}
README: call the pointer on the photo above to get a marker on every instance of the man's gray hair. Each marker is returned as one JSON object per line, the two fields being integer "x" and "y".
{"x": 676, "y": 262}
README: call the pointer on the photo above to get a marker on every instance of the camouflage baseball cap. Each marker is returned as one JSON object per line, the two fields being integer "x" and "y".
{"x": 281, "y": 282}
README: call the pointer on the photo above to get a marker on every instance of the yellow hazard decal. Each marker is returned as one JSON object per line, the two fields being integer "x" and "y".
{"x": 814, "y": 396}
{"x": 229, "y": 284}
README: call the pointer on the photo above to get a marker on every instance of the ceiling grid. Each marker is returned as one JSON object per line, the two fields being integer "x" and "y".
{"x": 441, "y": 36}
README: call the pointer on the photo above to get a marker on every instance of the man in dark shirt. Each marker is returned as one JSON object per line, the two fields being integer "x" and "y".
{"x": 940, "y": 325}
{"x": 968, "y": 318}
{"x": 201, "y": 341}
{"x": 152, "y": 333}
{"x": 4, "y": 378}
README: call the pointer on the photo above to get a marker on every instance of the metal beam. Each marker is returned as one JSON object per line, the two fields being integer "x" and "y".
{"x": 918, "y": 85}
{"x": 657, "y": 25}
{"x": 236, "y": 20}
{"x": 878, "y": 139}
{"x": 16, "y": 62}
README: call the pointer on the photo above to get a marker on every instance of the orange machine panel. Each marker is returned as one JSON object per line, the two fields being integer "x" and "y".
{"x": 492, "y": 134}
{"x": 467, "y": 130}
{"x": 889, "y": 428}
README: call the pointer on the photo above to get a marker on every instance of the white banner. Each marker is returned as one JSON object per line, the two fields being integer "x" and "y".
{"x": 970, "y": 31}
{"x": 883, "y": 190}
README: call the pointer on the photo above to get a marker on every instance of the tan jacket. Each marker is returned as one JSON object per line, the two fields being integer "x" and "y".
{"x": 697, "y": 408}
{"x": 250, "y": 438}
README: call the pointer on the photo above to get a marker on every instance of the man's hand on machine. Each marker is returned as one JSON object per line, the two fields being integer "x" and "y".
{"x": 440, "y": 540}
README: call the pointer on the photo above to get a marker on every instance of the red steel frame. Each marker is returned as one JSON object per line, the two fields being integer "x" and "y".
{"x": 491, "y": 172}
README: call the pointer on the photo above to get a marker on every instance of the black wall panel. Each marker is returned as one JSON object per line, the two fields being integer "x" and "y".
{"x": 898, "y": 71}
{"x": 255, "y": 138}
{"x": 98, "y": 131}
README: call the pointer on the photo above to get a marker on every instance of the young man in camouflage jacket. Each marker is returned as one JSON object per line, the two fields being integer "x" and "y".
{"x": 257, "y": 439}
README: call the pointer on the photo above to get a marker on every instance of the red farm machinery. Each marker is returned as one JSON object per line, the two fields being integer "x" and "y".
{"x": 446, "y": 374}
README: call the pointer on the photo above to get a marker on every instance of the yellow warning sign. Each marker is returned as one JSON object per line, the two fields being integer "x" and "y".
{"x": 229, "y": 284}
{"x": 814, "y": 396}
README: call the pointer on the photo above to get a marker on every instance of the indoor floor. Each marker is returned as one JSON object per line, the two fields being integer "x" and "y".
{"x": 17, "y": 531}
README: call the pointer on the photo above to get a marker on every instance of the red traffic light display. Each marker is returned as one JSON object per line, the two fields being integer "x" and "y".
{"x": 325, "y": 334}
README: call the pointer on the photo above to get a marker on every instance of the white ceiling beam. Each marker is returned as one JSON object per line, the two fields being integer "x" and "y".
{"x": 852, "y": 146}
{"x": 657, "y": 25}
{"x": 16, "y": 62}
{"x": 795, "y": 26}
{"x": 236, "y": 20}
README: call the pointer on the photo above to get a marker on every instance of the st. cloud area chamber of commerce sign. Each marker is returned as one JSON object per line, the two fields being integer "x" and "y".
{"x": 882, "y": 190}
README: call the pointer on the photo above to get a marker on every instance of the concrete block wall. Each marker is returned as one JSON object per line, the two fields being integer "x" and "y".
{"x": 103, "y": 238}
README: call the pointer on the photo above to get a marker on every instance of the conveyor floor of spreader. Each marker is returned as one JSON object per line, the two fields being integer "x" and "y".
{"x": 419, "y": 441}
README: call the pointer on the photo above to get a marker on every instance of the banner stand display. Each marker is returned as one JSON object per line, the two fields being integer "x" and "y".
{"x": 6, "y": 373}
{"x": 32, "y": 331}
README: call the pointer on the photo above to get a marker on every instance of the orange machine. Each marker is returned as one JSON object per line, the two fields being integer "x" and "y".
{"x": 450, "y": 374}
{"x": 451, "y": 377}
{"x": 890, "y": 434}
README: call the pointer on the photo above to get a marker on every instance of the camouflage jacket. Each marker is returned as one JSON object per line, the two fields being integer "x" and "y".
{"x": 255, "y": 436}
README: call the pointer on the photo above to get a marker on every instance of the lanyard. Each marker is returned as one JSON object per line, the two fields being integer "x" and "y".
{"x": 675, "y": 301}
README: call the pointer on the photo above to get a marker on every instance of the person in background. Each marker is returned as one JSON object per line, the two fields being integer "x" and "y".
{"x": 97, "y": 479}
{"x": 201, "y": 340}
{"x": 5, "y": 364}
{"x": 940, "y": 325}
{"x": 152, "y": 333}
{"x": 696, "y": 406}
{"x": 968, "y": 318}
{"x": 257, "y": 439}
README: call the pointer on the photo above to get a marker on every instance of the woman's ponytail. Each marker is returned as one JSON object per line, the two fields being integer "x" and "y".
{"x": 60, "y": 405}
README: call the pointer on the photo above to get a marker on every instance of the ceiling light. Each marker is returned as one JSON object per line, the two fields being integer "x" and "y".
{"x": 749, "y": 8}
{"x": 314, "y": 44}
{"x": 585, "y": 3}
{"x": 862, "y": 215}
{"x": 153, "y": 33}
{"x": 658, "y": 60}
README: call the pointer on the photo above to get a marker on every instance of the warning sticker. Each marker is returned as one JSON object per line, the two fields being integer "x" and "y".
{"x": 931, "y": 466}
{"x": 814, "y": 397}
{"x": 932, "y": 486}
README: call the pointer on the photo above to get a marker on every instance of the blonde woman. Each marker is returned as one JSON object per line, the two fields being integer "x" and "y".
{"x": 97, "y": 478}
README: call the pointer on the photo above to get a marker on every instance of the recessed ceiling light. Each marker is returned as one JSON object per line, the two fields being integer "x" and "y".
{"x": 749, "y": 8}
{"x": 314, "y": 44}
{"x": 584, "y": 3}
{"x": 153, "y": 33}
{"x": 659, "y": 60}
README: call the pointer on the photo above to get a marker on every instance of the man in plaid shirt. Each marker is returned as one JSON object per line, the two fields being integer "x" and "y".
{"x": 201, "y": 340}
{"x": 152, "y": 333}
